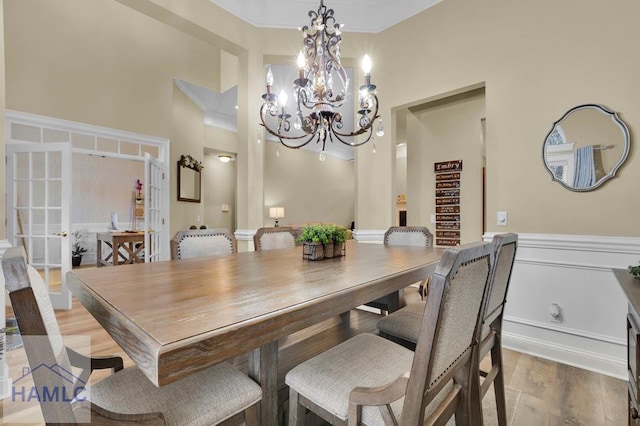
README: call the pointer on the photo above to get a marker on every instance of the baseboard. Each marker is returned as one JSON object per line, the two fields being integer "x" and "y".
{"x": 588, "y": 360}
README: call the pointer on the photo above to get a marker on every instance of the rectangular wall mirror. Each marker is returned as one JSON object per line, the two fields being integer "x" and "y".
{"x": 189, "y": 179}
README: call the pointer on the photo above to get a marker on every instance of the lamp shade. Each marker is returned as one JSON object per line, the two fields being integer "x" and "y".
{"x": 276, "y": 212}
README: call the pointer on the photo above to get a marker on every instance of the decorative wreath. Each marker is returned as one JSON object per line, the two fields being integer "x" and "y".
{"x": 190, "y": 162}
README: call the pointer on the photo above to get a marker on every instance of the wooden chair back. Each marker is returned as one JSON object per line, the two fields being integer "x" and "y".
{"x": 505, "y": 246}
{"x": 203, "y": 242}
{"x": 274, "y": 238}
{"x": 408, "y": 236}
{"x": 449, "y": 334}
{"x": 49, "y": 363}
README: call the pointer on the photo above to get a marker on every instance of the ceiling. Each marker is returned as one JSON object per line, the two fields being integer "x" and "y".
{"x": 368, "y": 16}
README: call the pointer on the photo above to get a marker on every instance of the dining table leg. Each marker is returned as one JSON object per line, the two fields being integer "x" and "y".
{"x": 263, "y": 368}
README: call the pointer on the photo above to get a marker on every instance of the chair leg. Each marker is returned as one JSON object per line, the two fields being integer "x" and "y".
{"x": 251, "y": 415}
{"x": 296, "y": 410}
{"x": 498, "y": 383}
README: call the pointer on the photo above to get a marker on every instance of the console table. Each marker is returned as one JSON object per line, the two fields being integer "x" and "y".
{"x": 125, "y": 247}
{"x": 631, "y": 288}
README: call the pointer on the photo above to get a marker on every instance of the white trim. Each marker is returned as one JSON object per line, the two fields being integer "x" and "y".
{"x": 245, "y": 234}
{"x": 76, "y": 127}
{"x": 602, "y": 244}
{"x": 369, "y": 235}
{"x": 592, "y": 361}
{"x": 571, "y": 265}
{"x": 566, "y": 330}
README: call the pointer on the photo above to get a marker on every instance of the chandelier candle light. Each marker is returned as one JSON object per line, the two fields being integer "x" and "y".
{"x": 318, "y": 98}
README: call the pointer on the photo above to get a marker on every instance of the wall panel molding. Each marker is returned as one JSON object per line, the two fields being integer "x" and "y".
{"x": 574, "y": 272}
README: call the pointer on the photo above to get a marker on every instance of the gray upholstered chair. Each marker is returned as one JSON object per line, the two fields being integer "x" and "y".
{"x": 406, "y": 236}
{"x": 403, "y": 326}
{"x": 274, "y": 238}
{"x": 373, "y": 381}
{"x": 219, "y": 394}
{"x": 202, "y": 242}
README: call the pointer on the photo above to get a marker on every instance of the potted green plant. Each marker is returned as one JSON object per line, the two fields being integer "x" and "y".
{"x": 319, "y": 241}
{"x": 339, "y": 235}
{"x": 79, "y": 246}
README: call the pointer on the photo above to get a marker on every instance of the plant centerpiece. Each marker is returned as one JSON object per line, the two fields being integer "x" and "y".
{"x": 322, "y": 241}
{"x": 79, "y": 246}
{"x": 634, "y": 270}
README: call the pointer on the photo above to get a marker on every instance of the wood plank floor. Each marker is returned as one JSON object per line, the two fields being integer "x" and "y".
{"x": 539, "y": 392}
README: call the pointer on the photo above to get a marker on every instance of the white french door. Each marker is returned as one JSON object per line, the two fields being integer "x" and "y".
{"x": 38, "y": 194}
{"x": 154, "y": 222}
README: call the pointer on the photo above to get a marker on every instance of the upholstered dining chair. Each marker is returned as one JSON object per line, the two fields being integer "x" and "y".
{"x": 371, "y": 380}
{"x": 406, "y": 236}
{"x": 202, "y": 242}
{"x": 219, "y": 394}
{"x": 274, "y": 238}
{"x": 403, "y": 326}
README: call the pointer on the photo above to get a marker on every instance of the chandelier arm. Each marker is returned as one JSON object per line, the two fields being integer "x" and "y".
{"x": 353, "y": 134}
{"x": 282, "y": 138}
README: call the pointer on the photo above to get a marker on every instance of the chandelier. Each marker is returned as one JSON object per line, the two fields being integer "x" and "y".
{"x": 319, "y": 92}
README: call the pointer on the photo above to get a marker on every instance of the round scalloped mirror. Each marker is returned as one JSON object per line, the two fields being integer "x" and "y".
{"x": 586, "y": 147}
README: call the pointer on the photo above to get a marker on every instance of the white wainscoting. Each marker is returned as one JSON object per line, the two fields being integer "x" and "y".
{"x": 573, "y": 272}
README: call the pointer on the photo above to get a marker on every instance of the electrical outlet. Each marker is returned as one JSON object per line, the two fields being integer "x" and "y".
{"x": 556, "y": 313}
{"x": 501, "y": 218}
{"x": 433, "y": 218}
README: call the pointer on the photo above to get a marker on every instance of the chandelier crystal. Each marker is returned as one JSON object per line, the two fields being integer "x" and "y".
{"x": 321, "y": 89}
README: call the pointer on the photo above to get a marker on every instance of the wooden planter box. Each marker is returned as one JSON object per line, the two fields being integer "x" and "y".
{"x": 312, "y": 251}
{"x": 319, "y": 251}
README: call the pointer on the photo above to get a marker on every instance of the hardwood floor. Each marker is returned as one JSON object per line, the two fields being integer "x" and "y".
{"x": 539, "y": 392}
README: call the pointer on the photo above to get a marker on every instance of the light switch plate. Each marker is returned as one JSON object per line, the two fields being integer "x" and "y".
{"x": 501, "y": 219}
{"x": 433, "y": 218}
{"x": 225, "y": 207}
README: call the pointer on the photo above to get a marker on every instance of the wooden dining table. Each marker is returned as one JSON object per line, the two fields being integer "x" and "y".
{"x": 177, "y": 317}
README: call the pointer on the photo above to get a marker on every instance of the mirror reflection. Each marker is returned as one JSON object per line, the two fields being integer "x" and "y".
{"x": 586, "y": 147}
{"x": 189, "y": 179}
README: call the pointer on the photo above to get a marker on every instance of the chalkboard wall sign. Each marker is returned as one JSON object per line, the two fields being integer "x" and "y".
{"x": 447, "y": 196}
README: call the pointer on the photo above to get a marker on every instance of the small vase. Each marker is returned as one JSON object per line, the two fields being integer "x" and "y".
{"x": 76, "y": 260}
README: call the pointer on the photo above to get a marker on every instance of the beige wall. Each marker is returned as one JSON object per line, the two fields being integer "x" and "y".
{"x": 104, "y": 62}
{"x": 219, "y": 188}
{"x": 446, "y": 132}
{"x": 310, "y": 190}
{"x": 537, "y": 60}
{"x": 109, "y": 180}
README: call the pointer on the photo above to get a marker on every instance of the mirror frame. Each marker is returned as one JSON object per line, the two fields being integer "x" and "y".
{"x": 616, "y": 120}
{"x": 192, "y": 166}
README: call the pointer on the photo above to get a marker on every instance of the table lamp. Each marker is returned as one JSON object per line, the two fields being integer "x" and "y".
{"x": 276, "y": 213}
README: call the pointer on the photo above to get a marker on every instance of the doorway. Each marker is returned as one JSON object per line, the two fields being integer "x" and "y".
{"x": 41, "y": 153}
{"x": 446, "y": 129}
